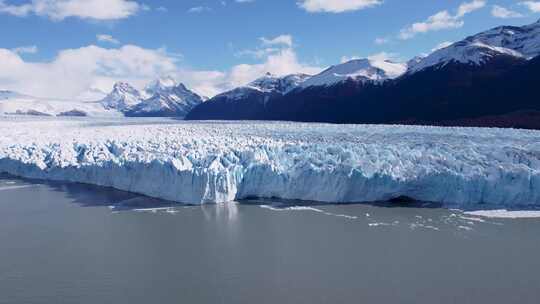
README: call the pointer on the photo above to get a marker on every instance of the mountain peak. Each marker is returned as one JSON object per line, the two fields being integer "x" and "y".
{"x": 165, "y": 83}
{"x": 162, "y": 97}
{"x": 120, "y": 85}
{"x": 518, "y": 42}
{"x": 272, "y": 83}
{"x": 168, "y": 81}
{"x": 123, "y": 88}
{"x": 122, "y": 97}
{"x": 362, "y": 70}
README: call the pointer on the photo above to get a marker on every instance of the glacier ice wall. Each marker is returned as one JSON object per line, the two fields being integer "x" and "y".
{"x": 195, "y": 162}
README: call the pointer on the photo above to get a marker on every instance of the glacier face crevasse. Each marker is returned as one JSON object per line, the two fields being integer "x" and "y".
{"x": 215, "y": 162}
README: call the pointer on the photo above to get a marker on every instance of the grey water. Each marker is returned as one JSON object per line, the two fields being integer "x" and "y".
{"x": 70, "y": 243}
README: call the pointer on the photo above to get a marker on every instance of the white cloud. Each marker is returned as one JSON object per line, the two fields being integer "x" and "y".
{"x": 257, "y": 53}
{"x": 107, "y": 38}
{"x": 502, "y": 12}
{"x": 31, "y": 49}
{"x": 285, "y": 40}
{"x": 84, "y": 9}
{"x": 439, "y": 21}
{"x": 199, "y": 9}
{"x": 382, "y": 56}
{"x": 442, "y": 20}
{"x": 469, "y": 7}
{"x": 278, "y": 57}
{"x": 281, "y": 63}
{"x": 336, "y": 6}
{"x": 268, "y": 46}
{"x": 81, "y": 69}
{"x": 533, "y": 6}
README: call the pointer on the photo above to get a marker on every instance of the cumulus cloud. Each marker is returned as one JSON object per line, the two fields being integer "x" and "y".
{"x": 94, "y": 67}
{"x": 84, "y": 9}
{"x": 285, "y": 40}
{"x": 73, "y": 71}
{"x": 502, "y": 12}
{"x": 277, "y": 56}
{"x": 282, "y": 63}
{"x": 442, "y": 20}
{"x": 469, "y": 7}
{"x": 533, "y": 6}
{"x": 107, "y": 38}
{"x": 336, "y": 6}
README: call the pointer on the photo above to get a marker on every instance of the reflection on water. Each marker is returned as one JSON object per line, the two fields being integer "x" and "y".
{"x": 70, "y": 243}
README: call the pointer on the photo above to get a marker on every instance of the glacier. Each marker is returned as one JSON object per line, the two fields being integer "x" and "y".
{"x": 218, "y": 162}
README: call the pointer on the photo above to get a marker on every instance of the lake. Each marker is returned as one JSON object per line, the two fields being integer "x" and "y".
{"x": 72, "y": 243}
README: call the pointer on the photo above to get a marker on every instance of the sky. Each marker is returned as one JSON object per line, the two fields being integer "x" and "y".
{"x": 71, "y": 48}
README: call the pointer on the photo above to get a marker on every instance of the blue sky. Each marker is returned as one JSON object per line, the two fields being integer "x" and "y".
{"x": 213, "y": 45}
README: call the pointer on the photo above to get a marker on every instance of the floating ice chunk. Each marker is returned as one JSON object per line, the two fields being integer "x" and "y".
{"x": 16, "y": 187}
{"x": 506, "y": 214}
{"x": 382, "y": 224}
{"x": 169, "y": 210}
{"x": 292, "y": 208}
{"x": 473, "y": 219}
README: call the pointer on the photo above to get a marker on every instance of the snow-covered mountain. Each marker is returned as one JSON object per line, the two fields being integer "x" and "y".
{"x": 13, "y": 103}
{"x": 281, "y": 85}
{"x": 167, "y": 98}
{"x": 122, "y": 98}
{"x": 489, "y": 79}
{"x": 162, "y": 97}
{"x": 504, "y": 41}
{"x": 267, "y": 84}
{"x": 248, "y": 101}
{"x": 160, "y": 86}
{"x": 361, "y": 70}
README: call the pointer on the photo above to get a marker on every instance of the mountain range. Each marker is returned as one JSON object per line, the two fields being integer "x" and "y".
{"x": 163, "y": 97}
{"x": 488, "y": 79}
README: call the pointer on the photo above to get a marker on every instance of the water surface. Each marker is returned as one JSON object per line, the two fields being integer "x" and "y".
{"x": 69, "y": 243}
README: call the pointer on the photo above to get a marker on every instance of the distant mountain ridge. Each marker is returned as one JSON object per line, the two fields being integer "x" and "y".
{"x": 485, "y": 79}
{"x": 359, "y": 70}
{"x": 14, "y": 103}
{"x": 518, "y": 42}
{"x": 163, "y": 97}
{"x": 247, "y": 101}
